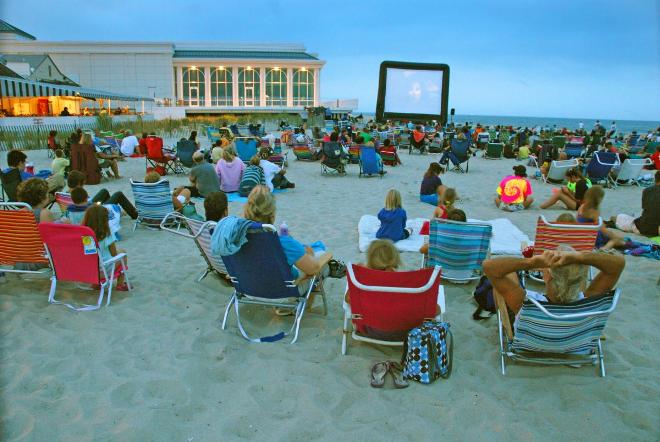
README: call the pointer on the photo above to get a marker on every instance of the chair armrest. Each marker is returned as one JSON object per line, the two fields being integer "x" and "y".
{"x": 325, "y": 259}
{"x": 117, "y": 257}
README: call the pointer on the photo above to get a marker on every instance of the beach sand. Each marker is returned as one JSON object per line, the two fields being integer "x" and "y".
{"x": 155, "y": 365}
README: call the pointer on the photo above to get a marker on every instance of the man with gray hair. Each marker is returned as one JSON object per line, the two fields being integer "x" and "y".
{"x": 128, "y": 144}
{"x": 203, "y": 179}
{"x": 565, "y": 274}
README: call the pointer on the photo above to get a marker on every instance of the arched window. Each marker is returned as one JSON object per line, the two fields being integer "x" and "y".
{"x": 221, "y": 87}
{"x": 275, "y": 87}
{"x": 248, "y": 86}
{"x": 303, "y": 87}
{"x": 193, "y": 86}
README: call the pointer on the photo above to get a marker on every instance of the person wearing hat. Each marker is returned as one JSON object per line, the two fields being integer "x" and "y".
{"x": 515, "y": 191}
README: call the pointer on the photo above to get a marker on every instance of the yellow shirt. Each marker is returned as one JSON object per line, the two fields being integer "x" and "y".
{"x": 59, "y": 165}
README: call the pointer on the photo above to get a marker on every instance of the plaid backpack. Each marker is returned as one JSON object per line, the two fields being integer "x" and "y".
{"x": 427, "y": 352}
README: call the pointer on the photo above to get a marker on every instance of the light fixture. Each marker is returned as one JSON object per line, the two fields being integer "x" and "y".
{"x": 222, "y": 68}
{"x": 192, "y": 68}
{"x": 276, "y": 68}
{"x": 249, "y": 68}
{"x": 303, "y": 69}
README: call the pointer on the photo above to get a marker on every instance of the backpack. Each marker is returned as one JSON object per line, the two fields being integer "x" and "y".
{"x": 252, "y": 177}
{"x": 483, "y": 294}
{"x": 427, "y": 352}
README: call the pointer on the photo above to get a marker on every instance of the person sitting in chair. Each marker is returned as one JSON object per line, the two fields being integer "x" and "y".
{"x": 565, "y": 273}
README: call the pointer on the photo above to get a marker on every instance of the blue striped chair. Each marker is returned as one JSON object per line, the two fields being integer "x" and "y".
{"x": 459, "y": 248}
{"x": 153, "y": 202}
{"x": 200, "y": 232}
{"x": 556, "y": 334}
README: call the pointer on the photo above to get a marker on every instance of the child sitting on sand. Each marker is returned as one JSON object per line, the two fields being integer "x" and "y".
{"x": 76, "y": 211}
{"x": 589, "y": 212}
{"x": 446, "y": 204}
{"x": 96, "y": 218}
{"x": 393, "y": 219}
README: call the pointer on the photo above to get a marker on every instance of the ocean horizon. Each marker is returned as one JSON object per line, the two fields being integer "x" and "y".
{"x": 625, "y": 126}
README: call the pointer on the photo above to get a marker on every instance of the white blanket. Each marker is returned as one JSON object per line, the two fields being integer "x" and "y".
{"x": 506, "y": 237}
{"x": 369, "y": 225}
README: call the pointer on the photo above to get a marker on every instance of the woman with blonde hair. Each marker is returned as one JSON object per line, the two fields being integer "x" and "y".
{"x": 304, "y": 261}
{"x": 393, "y": 219}
{"x": 589, "y": 212}
{"x": 230, "y": 171}
{"x": 382, "y": 255}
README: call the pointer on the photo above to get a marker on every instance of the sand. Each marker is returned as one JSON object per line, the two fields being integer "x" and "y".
{"x": 155, "y": 365}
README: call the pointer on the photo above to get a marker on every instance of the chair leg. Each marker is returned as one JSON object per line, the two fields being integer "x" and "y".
{"x": 109, "y": 281}
{"x": 601, "y": 359}
{"x": 300, "y": 311}
{"x": 224, "y": 319}
{"x": 128, "y": 283}
{"x": 499, "y": 329}
{"x": 203, "y": 275}
{"x": 53, "y": 286}
{"x": 345, "y": 332}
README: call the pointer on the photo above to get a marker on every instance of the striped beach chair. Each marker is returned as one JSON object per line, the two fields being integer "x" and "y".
{"x": 354, "y": 154}
{"x": 20, "y": 241}
{"x": 580, "y": 236}
{"x": 63, "y": 200}
{"x": 303, "y": 152}
{"x": 200, "y": 232}
{"x": 153, "y": 202}
{"x": 458, "y": 248}
{"x": 555, "y": 334}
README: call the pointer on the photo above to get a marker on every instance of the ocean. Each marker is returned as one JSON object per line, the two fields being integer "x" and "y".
{"x": 624, "y": 126}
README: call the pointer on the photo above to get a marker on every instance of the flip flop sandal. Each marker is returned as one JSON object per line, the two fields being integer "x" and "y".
{"x": 284, "y": 311}
{"x": 397, "y": 373}
{"x": 378, "y": 373}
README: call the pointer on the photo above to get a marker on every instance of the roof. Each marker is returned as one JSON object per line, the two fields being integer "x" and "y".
{"x": 19, "y": 87}
{"x": 6, "y": 72}
{"x": 9, "y": 29}
{"x": 34, "y": 61}
{"x": 224, "y": 54}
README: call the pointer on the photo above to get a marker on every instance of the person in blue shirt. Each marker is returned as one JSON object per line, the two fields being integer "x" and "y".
{"x": 393, "y": 219}
{"x": 16, "y": 159}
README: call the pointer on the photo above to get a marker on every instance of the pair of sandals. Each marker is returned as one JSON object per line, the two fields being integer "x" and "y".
{"x": 380, "y": 370}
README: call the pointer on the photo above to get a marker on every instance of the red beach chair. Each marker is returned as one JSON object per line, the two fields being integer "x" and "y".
{"x": 74, "y": 255}
{"x": 158, "y": 160}
{"x": 389, "y": 303}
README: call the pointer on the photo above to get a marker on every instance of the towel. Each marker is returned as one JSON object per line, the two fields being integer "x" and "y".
{"x": 229, "y": 235}
{"x": 369, "y": 224}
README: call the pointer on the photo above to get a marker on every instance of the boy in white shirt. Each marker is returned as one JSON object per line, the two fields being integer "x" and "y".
{"x": 274, "y": 175}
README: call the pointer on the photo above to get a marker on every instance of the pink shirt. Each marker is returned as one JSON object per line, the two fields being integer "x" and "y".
{"x": 230, "y": 174}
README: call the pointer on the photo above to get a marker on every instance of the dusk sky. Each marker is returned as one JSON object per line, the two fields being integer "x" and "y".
{"x": 580, "y": 59}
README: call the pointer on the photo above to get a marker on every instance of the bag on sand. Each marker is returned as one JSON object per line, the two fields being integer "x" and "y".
{"x": 427, "y": 352}
{"x": 483, "y": 295}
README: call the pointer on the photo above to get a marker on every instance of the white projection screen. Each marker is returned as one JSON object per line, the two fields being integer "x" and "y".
{"x": 413, "y": 91}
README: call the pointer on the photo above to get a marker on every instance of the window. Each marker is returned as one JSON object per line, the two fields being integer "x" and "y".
{"x": 193, "y": 86}
{"x": 248, "y": 86}
{"x": 221, "y": 87}
{"x": 275, "y": 87}
{"x": 303, "y": 87}
{"x": 50, "y": 71}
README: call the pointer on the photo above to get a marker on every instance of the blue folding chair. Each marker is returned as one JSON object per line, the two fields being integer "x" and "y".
{"x": 369, "y": 162}
{"x": 598, "y": 169}
{"x": 573, "y": 149}
{"x": 458, "y": 248}
{"x": 460, "y": 154}
{"x": 246, "y": 148}
{"x": 261, "y": 276}
{"x": 184, "y": 152}
{"x": 153, "y": 202}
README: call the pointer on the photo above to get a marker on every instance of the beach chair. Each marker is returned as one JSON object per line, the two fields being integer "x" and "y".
{"x": 63, "y": 201}
{"x": 246, "y": 148}
{"x": 461, "y": 151}
{"x": 557, "y": 171}
{"x": 600, "y": 165}
{"x": 419, "y": 145}
{"x": 435, "y": 146}
{"x": 354, "y": 154}
{"x": 153, "y": 202}
{"x": 302, "y": 152}
{"x": 494, "y": 151}
{"x": 332, "y": 158}
{"x": 458, "y": 248}
{"x": 389, "y": 304}
{"x": 74, "y": 255}
{"x": 558, "y": 141}
{"x": 556, "y": 334}
{"x": 200, "y": 232}
{"x": 10, "y": 182}
{"x": 404, "y": 140}
{"x": 369, "y": 162}
{"x": 157, "y": 160}
{"x": 213, "y": 134}
{"x": 629, "y": 172}
{"x": 184, "y": 153}
{"x": 389, "y": 156}
{"x": 20, "y": 241}
{"x": 261, "y": 275}
{"x": 575, "y": 148}
{"x": 580, "y": 236}
{"x": 234, "y": 130}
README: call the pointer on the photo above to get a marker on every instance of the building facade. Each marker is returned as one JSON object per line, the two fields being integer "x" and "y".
{"x": 193, "y": 77}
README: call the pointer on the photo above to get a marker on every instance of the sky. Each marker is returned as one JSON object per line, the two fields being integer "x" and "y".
{"x": 554, "y": 58}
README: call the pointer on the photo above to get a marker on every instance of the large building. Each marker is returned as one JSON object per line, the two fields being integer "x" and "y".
{"x": 182, "y": 78}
